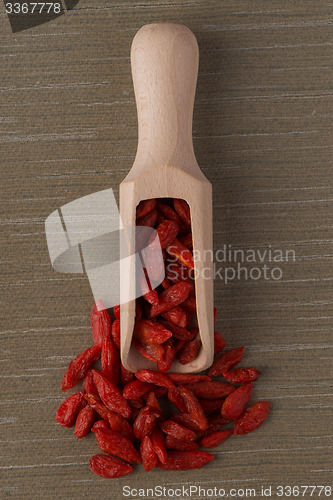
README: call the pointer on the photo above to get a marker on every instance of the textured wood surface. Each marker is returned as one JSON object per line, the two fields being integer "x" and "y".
{"x": 262, "y": 136}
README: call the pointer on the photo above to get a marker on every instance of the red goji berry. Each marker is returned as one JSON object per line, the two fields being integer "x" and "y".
{"x": 189, "y": 352}
{"x": 185, "y": 460}
{"x": 171, "y": 298}
{"x": 96, "y": 404}
{"x": 144, "y": 207}
{"x": 171, "y": 443}
{"x": 183, "y": 210}
{"x": 252, "y": 418}
{"x": 69, "y": 409}
{"x": 187, "y": 378}
{"x": 115, "y": 333}
{"x": 89, "y": 385}
{"x": 152, "y": 352}
{"x": 169, "y": 355}
{"x": 109, "y": 467}
{"x": 194, "y": 408}
{"x": 148, "y": 454}
{"x": 111, "y": 395}
{"x": 176, "y": 398}
{"x": 168, "y": 212}
{"x": 136, "y": 389}
{"x": 226, "y": 361}
{"x": 167, "y": 232}
{"x": 119, "y": 424}
{"x": 181, "y": 252}
{"x": 187, "y": 240}
{"x": 100, "y": 424}
{"x": 114, "y": 443}
{"x": 145, "y": 422}
{"x": 241, "y": 375}
{"x": 79, "y": 367}
{"x": 179, "y": 332}
{"x": 148, "y": 220}
{"x": 211, "y": 405}
{"x": 215, "y": 438}
{"x": 186, "y": 420}
{"x": 234, "y": 405}
{"x": 177, "y": 430}
{"x": 100, "y": 322}
{"x": 110, "y": 360}
{"x": 155, "y": 378}
{"x": 84, "y": 422}
{"x": 148, "y": 331}
{"x": 177, "y": 316}
{"x": 157, "y": 438}
{"x": 211, "y": 390}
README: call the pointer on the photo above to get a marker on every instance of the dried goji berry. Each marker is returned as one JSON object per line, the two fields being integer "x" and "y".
{"x": 171, "y": 297}
{"x": 169, "y": 355}
{"x": 136, "y": 389}
{"x": 89, "y": 385}
{"x": 119, "y": 424}
{"x": 148, "y": 331}
{"x": 155, "y": 378}
{"x": 186, "y": 420}
{"x": 172, "y": 443}
{"x": 253, "y": 417}
{"x": 211, "y": 405}
{"x": 194, "y": 408}
{"x": 152, "y": 352}
{"x": 100, "y": 322}
{"x": 242, "y": 375}
{"x": 234, "y": 405}
{"x": 183, "y": 210}
{"x": 177, "y": 430}
{"x": 96, "y": 404}
{"x": 69, "y": 409}
{"x": 148, "y": 454}
{"x": 181, "y": 252}
{"x": 111, "y": 395}
{"x": 188, "y": 378}
{"x": 110, "y": 360}
{"x": 79, "y": 367}
{"x": 187, "y": 240}
{"x": 109, "y": 467}
{"x": 148, "y": 220}
{"x": 144, "y": 207}
{"x": 189, "y": 352}
{"x": 185, "y": 460}
{"x": 114, "y": 443}
{"x": 176, "y": 398}
{"x": 179, "y": 332}
{"x": 100, "y": 424}
{"x": 211, "y": 390}
{"x": 145, "y": 422}
{"x": 176, "y": 316}
{"x": 226, "y": 361}
{"x": 115, "y": 333}
{"x": 168, "y": 212}
{"x": 215, "y": 438}
{"x": 167, "y": 232}
{"x": 157, "y": 438}
{"x": 116, "y": 311}
{"x": 84, "y": 422}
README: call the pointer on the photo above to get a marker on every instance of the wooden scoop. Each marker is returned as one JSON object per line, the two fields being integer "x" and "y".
{"x": 164, "y": 59}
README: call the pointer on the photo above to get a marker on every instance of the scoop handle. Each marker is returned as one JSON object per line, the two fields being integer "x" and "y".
{"x": 164, "y": 60}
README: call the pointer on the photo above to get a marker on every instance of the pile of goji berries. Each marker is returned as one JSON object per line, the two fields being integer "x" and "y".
{"x": 123, "y": 409}
{"x": 164, "y": 328}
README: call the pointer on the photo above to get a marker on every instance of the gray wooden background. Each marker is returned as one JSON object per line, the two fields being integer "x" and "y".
{"x": 263, "y": 137}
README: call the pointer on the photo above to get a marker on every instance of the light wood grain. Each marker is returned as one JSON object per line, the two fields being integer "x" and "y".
{"x": 164, "y": 60}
